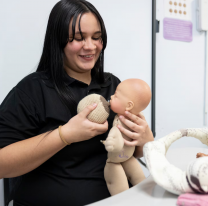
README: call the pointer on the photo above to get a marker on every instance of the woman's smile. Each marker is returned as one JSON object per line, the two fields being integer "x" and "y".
{"x": 87, "y": 57}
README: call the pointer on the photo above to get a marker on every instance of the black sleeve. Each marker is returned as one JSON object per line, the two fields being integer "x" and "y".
{"x": 18, "y": 118}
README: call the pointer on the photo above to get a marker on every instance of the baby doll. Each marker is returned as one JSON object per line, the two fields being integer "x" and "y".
{"x": 131, "y": 95}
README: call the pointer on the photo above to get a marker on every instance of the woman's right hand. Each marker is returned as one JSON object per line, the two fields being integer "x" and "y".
{"x": 79, "y": 128}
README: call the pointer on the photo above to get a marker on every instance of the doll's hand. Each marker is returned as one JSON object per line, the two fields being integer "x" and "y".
{"x": 114, "y": 141}
{"x": 200, "y": 155}
{"x": 140, "y": 133}
{"x": 110, "y": 144}
{"x": 79, "y": 128}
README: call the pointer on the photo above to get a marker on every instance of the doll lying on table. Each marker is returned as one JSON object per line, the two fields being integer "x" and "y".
{"x": 193, "y": 180}
{"x": 131, "y": 95}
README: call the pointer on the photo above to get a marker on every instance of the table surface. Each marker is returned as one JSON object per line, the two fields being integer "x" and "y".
{"x": 147, "y": 192}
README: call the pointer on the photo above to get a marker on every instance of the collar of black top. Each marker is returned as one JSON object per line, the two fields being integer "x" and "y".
{"x": 69, "y": 80}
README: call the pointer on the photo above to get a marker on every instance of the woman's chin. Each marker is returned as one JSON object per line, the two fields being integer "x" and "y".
{"x": 87, "y": 66}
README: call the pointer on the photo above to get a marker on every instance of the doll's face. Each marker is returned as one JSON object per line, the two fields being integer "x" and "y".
{"x": 118, "y": 100}
{"x": 131, "y": 95}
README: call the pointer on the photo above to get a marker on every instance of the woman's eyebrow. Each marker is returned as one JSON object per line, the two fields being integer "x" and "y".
{"x": 97, "y": 32}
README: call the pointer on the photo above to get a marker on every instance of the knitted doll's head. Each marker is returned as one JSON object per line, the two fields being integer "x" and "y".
{"x": 100, "y": 113}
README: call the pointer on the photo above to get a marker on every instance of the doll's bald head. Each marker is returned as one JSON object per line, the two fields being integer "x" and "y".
{"x": 131, "y": 95}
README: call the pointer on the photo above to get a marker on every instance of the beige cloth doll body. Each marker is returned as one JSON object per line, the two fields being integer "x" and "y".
{"x": 131, "y": 95}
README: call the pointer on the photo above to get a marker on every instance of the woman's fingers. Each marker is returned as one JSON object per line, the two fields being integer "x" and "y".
{"x": 139, "y": 132}
{"x": 101, "y": 127}
{"x": 79, "y": 128}
{"x": 128, "y": 133}
{"x": 141, "y": 115}
{"x": 132, "y": 143}
{"x": 86, "y": 111}
{"x": 134, "y": 118}
{"x": 98, "y": 127}
{"x": 133, "y": 125}
{"x": 127, "y": 122}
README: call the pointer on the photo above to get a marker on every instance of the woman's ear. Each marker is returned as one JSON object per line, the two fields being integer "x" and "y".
{"x": 130, "y": 106}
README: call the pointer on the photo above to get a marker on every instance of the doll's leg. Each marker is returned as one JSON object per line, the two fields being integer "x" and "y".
{"x": 133, "y": 171}
{"x": 115, "y": 178}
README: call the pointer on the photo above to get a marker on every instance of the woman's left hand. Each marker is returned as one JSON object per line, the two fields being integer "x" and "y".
{"x": 140, "y": 134}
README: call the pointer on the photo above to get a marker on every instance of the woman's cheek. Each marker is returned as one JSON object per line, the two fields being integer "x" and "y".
{"x": 99, "y": 49}
{"x": 73, "y": 47}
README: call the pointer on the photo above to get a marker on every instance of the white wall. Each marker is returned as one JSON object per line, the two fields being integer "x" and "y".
{"x": 23, "y": 25}
{"x": 22, "y": 30}
{"x": 180, "y": 82}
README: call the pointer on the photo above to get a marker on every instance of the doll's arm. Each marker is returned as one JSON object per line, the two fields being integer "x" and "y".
{"x": 114, "y": 141}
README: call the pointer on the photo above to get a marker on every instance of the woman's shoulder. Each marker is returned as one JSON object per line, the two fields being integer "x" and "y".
{"x": 31, "y": 78}
{"x": 32, "y": 85}
{"x": 31, "y": 81}
{"x": 111, "y": 77}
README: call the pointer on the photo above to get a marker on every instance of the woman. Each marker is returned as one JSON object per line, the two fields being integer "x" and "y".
{"x": 62, "y": 165}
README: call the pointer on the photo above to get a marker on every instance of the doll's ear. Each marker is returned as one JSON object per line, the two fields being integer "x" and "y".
{"x": 130, "y": 106}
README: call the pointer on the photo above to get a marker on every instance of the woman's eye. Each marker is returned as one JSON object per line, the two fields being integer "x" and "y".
{"x": 78, "y": 39}
{"x": 96, "y": 38}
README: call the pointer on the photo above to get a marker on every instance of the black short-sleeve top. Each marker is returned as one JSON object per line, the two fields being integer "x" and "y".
{"x": 74, "y": 175}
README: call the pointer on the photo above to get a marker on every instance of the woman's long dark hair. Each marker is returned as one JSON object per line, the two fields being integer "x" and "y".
{"x": 56, "y": 38}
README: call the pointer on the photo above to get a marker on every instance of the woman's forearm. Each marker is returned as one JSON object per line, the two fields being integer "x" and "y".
{"x": 24, "y": 156}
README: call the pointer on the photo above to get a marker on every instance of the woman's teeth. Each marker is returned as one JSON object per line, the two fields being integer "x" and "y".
{"x": 86, "y": 56}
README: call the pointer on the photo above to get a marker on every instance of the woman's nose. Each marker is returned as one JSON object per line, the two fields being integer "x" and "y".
{"x": 89, "y": 44}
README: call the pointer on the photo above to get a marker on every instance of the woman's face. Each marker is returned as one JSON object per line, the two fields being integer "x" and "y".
{"x": 82, "y": 54}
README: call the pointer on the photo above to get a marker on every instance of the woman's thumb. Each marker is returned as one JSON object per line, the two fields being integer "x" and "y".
{"x": 89, "y": 109}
